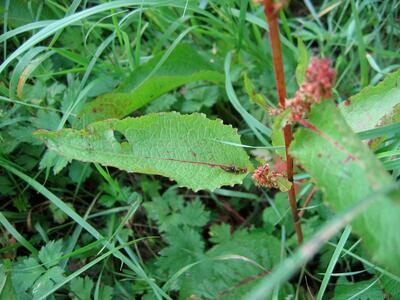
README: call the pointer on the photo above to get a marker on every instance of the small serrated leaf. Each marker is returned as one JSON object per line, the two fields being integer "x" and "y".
{"x": 245, "y": 255}
{"x": 47, "y": 281}
{"x": 33, "y": 277}
{"x": 51, "y": 160}
{"x": 220, "y": 233}
{"x": 82, "y": 288}
{"x": 26, "y": 273}
{"x": 50, "y": 253}
{"x": 171, "y": 210}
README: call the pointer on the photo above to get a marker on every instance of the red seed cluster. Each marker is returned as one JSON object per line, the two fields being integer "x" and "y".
{"x": 264, "y": 176}
{"x": 320, "y": 78}
{"x": 318, "y": 82}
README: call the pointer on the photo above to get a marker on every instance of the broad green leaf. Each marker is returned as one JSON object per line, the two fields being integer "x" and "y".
{"x": 347, "y": 171}
{"x": 373, "y": 106}
{"x": 150, "y": 81}
{"x": 190, "y": 149}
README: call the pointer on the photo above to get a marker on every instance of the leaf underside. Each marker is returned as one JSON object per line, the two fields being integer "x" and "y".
{"x": 150, "y": 81}
{"x": 347, "y": 172}
{"x": 187, "y": 148}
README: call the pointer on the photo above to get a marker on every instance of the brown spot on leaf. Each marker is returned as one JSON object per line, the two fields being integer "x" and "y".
{"x": 347, "y": 102}
{"x": 349, "y": 158}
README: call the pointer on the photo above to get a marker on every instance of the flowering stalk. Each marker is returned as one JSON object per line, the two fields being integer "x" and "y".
{"x": 317, "y": 85}
{"x": 271, "y": 11}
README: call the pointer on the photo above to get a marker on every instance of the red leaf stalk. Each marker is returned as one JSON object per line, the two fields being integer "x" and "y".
{"x": 271, "y": 11}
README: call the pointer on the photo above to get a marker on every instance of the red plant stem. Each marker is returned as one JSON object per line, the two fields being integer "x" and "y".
{"x": 246, "y": 281}
{"x": 234, "y": 213}
{"x": 272, "y": 19}
{"x": 307, "y": 201}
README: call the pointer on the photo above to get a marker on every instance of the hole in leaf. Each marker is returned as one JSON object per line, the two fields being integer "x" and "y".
{"x": 120, "y": 137}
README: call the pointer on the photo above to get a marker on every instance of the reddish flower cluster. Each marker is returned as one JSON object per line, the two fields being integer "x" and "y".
{"x": 264, "y": 176}
{"x": 318, "y": 82}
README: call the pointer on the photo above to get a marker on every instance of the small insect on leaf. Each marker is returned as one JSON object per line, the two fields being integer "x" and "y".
{"x": 234, "y": 169}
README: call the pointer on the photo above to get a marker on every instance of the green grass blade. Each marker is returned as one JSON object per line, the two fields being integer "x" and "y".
{"x": 388, "y": 130}
{"x": 368, "y": 263}
{"x": 8, "y": 226}
{"x": 5, "y": 99}
{"x": 24, "y": 28}
{"x": 133, "y": 208}
{"x": 289, "y": 266}
{"x": 77, "y": 232}
{"x": 355, "y": 296}
{"x": 69, "y": 20}
{"x": 253, "y": 19}
{"x": 133, "y": 265}
{"x": 86, "y": 267}
{"x": 253, "y": 123}
{"x": 362, "y": 53}
{"x": 5, "y": 26}
{"x": 333, "y": 261}
{"x": 242, "y": 20}
{"x": 314, "y": 14}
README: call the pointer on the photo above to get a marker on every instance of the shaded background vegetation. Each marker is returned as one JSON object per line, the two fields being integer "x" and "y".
{"x": 183, "y": 241}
